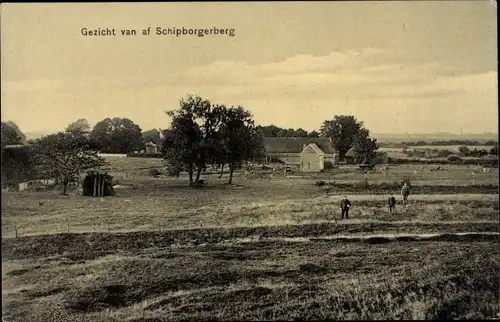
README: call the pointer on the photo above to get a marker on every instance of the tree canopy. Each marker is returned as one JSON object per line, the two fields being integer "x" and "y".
{"x": 11, "y": 134}
{"x": 79, "y": 125}
{"x": 346, "y": 132}
{"x": 152, "y": 136}
{"x": 275, "y": 131}
{"x": 65, "y": 155}
{"x": 117, "y": 135}
{"x": 203, "y": 133}
{"x": 365, "y": 147}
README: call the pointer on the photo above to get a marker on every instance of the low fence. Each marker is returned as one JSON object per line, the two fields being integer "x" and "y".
{"x": 145, "y": 155}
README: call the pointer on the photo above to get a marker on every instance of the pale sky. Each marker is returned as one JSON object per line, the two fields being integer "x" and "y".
{"x": 419, "y": 66}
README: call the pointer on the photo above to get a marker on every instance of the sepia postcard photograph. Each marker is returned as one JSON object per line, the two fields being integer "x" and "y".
{"x": 249, "y": 161}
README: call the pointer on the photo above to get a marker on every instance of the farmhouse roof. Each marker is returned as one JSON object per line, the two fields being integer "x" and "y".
{"x": 296, "y": 144}
{"x": 315, "y": 148}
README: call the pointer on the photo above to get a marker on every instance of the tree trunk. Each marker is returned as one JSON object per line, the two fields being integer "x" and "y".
{"x": 65, "y": 186}
{"x": 198, "y": 173}
{"x": 231, "y": 169}
{"x": 221, "y": 171}
{"x": 190, "y": 172}
{"x": 342, "y": 155}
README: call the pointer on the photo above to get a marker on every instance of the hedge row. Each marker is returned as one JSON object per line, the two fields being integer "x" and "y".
{"x": 489, "y": 162}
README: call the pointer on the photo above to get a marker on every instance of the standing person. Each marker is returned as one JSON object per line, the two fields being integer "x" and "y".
{"x": 392, "y": 203}
{"x": 345, "y": 204}
{"x": 405, "y": 191}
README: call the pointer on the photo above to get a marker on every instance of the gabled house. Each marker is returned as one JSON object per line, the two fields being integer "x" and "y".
{"x": 310, "y": 154}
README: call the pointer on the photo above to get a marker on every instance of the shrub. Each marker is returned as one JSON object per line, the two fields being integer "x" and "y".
{"x": 453, "y": 158}
{"x": 328, "y": 165}
{"x": 154, "y": 172}
{"x": 173, "y": 170}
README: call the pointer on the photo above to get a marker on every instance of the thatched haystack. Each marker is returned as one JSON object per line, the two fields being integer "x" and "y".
{"x": 98, "y": 184}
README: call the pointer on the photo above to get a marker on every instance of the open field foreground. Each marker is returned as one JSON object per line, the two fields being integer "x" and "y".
{"x": 185, "y": 208}
{"x": 148, "y": 277}
{"x": 269, "y": 247}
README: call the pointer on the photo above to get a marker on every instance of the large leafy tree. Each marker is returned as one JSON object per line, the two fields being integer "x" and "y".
{"x": 11, "y": 134}
{"x": 240, "y": 140}
{"x": 192, "y": 141}
{"x": 343, "y": 130}
{"x": 365, "y": 147}
{"x": 79, "y": 125}
{"x": 204, "y": 133}
{"x": 117, "y": 135}
{"x": 65, "y": 155}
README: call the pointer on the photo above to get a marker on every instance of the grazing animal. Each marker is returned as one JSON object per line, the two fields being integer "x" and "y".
{"x": 40, "y": 203}
{"x": 392, "y": 203}
{"x": 345, "y": 204}
{"x": 405, "y": 191}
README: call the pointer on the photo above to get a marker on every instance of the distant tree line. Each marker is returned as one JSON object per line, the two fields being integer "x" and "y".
{"x": 448, "y": 142}
{"x": 275, "y": 131}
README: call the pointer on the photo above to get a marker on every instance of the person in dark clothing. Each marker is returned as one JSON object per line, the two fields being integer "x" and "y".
{"x": 405, "y": 191}
{"x": 345, "y": 204}
{"x": 392, "y": 203}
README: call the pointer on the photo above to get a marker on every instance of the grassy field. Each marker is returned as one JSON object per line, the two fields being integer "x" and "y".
{"x": 259, "y": 280}
{"x": 270, "y": 247}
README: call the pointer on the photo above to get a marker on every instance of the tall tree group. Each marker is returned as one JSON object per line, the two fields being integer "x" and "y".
{"x": 203, "y": 133}
{"x": 117, "y": 135}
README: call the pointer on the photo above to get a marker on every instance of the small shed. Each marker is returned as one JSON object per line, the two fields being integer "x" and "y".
{"x": 98, "y": 184}
{"x": 151, "y": 148}
{"x": 351, "y": 156}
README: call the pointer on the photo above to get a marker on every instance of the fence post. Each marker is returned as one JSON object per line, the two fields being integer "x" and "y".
{"x": 15, "y": 227}
{"x": 67, "y": 223}
{"x": 109, "y": 227}
{"x": 95, "y": 186}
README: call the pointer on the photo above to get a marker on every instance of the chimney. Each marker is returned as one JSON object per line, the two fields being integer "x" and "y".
{"x": 304, "y": 146}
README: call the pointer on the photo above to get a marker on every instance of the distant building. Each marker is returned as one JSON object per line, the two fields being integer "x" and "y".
{"x": 310, "y": 154}
{"x": 151, "y": 148}
{"x": 351, "y": 157}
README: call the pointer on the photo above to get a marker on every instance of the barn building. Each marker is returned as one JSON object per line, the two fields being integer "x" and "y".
{"x": 309, "y": 154}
